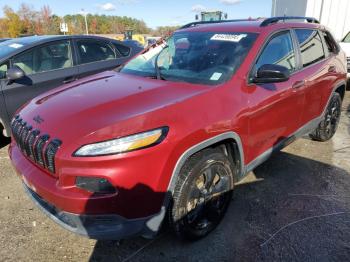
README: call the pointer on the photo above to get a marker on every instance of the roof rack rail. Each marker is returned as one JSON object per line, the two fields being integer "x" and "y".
{"x": 213, "y": 22}
{"x": 276, "y": 19}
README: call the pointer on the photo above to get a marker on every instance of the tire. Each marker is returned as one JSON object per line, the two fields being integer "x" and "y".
{"x": 202, "y": 194}
{"x": 329, "y": 124}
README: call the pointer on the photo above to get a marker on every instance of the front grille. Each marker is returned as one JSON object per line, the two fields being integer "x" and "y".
{"x": 348, "y": 60}
{"x": 37, "y": 147}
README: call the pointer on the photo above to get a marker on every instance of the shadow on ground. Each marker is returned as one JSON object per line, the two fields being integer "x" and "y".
{"x": 296, "y": 209}
{"x": 4, "y": 141}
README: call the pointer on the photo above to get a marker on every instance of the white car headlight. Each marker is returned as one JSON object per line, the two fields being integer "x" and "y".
{"x": 124, "y": 144}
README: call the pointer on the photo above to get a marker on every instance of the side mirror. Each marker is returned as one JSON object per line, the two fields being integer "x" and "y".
{"x": 271, "y": 73}
{"x": 14, "y": 73}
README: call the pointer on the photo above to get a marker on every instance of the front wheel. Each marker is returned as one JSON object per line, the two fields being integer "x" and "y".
{"x": 202, "y": 194}
{"x": 329, "y": 124}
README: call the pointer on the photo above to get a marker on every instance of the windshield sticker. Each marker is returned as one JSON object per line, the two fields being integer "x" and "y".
{"x": 15, "y": 45}
{"x": 227, "y": 37}
{"x": 216, "y": 76}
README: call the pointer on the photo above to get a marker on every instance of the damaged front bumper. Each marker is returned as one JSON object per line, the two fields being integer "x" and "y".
{"x": 101, "y": 227}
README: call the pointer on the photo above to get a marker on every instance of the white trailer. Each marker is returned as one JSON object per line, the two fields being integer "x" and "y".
{"x": 335, "y": 14}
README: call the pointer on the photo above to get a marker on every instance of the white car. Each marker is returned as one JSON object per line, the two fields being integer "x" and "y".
{"x": 345, "y": 45}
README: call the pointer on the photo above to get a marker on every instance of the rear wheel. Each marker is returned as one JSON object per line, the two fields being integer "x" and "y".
{"x": 202, "y": 194}
{"x": 329, "y": 124}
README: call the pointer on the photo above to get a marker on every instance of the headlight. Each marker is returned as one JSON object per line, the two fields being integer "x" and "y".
{"x": 124, "y": 144}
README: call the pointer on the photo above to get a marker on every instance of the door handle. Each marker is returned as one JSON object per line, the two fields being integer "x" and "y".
{"x": 332, "y": 69}
{"x": 68, "y": 80}
{"x": 298, "y": 84}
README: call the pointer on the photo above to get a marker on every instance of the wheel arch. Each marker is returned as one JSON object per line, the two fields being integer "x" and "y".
{"x": 340, "y": 89}
{"x": 229, "y": 141}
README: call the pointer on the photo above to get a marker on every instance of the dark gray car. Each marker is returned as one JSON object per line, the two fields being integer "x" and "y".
{"x": 32, "y": 65}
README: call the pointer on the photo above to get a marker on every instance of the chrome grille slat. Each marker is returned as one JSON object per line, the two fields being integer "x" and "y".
{"x": 24, "y": 136}
{"x": 40, "y": 149}
{"x": 30, "y": 142}
{"x": 20, "y": 131}
{"x": 50, "y": 153}
{"x": 17, "y": 127}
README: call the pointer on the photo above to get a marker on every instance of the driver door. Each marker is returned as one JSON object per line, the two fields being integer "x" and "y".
{"x": 275, "y": 108}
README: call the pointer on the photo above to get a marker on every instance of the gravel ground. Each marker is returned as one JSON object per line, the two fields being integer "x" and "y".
{"x": 294, "y": 207}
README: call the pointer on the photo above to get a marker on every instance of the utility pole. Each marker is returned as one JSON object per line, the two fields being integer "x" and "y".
{"x": 86, "y": 24}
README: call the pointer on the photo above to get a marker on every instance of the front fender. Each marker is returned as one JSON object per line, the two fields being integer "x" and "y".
{"x": 4, "y": 118}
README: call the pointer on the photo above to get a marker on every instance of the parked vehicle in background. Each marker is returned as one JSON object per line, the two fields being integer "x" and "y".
{"x": 211, "y": 16}
{"x": 170, "y": 135}
{"x": 129, "y": 35}
{"x": 32, "y": 65}
{"x": 345, "y": 45}
{"x": 151, "y": 41}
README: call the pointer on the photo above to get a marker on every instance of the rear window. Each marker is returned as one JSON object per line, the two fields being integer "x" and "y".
{"x": 331, "y": 46}
{"x": 93, "y": 51}
{"x": 123, "y": 50}
{"x": 310, "y": 46}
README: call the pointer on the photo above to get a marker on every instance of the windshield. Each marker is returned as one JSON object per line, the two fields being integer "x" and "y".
{"x": 6, "y": 48}
{"x": 193, "y": 57}
{"x": 9, "y": 46}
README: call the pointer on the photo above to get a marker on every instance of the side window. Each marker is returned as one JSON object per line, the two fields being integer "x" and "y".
{"x": 3, "y": 70}
{"x": 311, "y": 47}
{"x": 279, "y": 51}
{"x": 123, "y": 50}
{"x": 45, "y": 58}
{"x": 331, "y": 45}
{"x": 92, "y": 51}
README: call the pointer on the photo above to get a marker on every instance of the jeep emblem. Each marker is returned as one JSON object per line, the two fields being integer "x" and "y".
{"x": 38, "y": 119}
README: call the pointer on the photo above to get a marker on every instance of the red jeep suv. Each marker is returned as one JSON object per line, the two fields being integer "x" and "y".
{"x": 171, "y": 132}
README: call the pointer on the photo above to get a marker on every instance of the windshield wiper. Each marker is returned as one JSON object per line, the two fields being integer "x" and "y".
{"x": 156, "y": 66}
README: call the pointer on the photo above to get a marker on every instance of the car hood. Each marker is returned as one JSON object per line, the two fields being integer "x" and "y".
{"x": 346, "y": 48}
{"x": 98, "y": 106}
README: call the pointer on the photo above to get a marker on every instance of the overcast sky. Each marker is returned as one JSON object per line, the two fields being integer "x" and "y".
{"x": 154, "y": 12}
